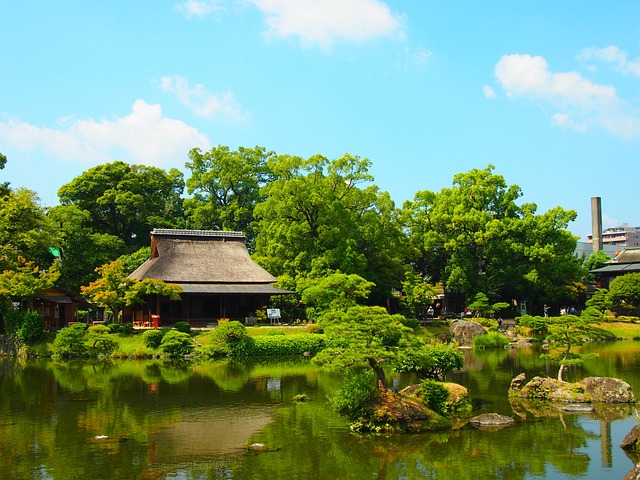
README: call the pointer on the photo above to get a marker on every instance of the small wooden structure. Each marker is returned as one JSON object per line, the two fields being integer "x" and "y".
{"x": 217, "y": 276}
{"x": 58, "y": 307}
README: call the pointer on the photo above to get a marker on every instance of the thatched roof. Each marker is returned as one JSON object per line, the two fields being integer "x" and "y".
{"x": 205, "y": 258}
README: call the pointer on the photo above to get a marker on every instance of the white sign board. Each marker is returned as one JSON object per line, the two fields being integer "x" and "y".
{"x": 273, "y": 312}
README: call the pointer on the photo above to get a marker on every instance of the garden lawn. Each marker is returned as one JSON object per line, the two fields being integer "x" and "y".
{"x": 621, "y": 329}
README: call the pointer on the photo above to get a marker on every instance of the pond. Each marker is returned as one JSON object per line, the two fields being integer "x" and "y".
{"x": 155, "y": 420}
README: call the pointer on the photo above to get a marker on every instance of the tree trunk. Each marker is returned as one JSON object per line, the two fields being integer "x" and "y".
{"x": 382, "y": 387}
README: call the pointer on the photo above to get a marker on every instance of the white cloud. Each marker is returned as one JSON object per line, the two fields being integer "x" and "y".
{"x": 198, "y": 8}
{"x": 322, "y": 22}
{"x": 582, "y": 103}
{"x": 489, "y": 92}
{"x": 416, "y": 59}
{"x": 142, "y": 137}
{"x": 564, "y": 120}
{"x": 202, "y": 102}
{"x": 614, "y": 55}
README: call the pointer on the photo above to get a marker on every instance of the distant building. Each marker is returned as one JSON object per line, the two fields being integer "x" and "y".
{"x": 627, "y": 261}
{"x": 622, "y": 236}
{"x": 586, "y": 249}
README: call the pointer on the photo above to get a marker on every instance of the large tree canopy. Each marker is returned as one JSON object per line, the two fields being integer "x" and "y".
{"x": 316, "y": 220}
{"x": 127, "y": 201}
{"x": 475, "y": 238}
{"x": 25, "y": 230}
{"x": 225, "y": 187}
{"x": 81, "y": 248}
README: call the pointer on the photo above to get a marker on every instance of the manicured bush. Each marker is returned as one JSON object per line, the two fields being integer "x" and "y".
{"x": 490, "y": 340}
{"x": 435, "y": 394}
{"x": 295, "y": 344}
{"x": 354, "y": 397}
{"x": 71, "y": 341}
{"x": 176, "y": 344}
{"x": 125, "y": 328}
{"x": 152, "y": 338}
{"x": 183, "y": 327}
{"x": 102, "y": 340}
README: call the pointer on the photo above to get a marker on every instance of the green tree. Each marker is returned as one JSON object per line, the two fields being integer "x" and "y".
{"x": 4, "y": 186}
{"x": 25, "y": 230}
{"x": 82, "y": 249}
{"x": 127, "y": 201}
{"x": 624, "y": 291}
{"x": 361, "y": 336}
{"x": 225, "y": 188}
{"x": 474, "y": 237}
{"x": 563, "y": 333}
{"x": 595, "y": 260}
{"x": 316, "y": 221}
{"x": 418, "y": 294}
{"x": 26, "y": 280}
{"x": 336, "y": 291}
{"x": 430, "y": 361}
{"x": 481, "y": 305}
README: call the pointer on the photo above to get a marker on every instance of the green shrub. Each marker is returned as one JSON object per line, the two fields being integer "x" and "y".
{"x": 215, "y": 349}
{"x": 152, "y": 338}
{"x": 538, "y": 326}
{"x": 230, "y": 332}
{"x": 354, "y": 397}
{"x": 176, "y": 344}
{"x": 435, "y": 394}
{"x": 410, "y": 322}
{"x": 13, "y": 321}
{"x": 71, "y": 341}
{"x": 430, "y": 361}
{"x": 490, "y": 340}
{"x": 295, "y": 344}
{"x": 183, "y": 327}
{"x": 592, "y": 314}
{"x": 103, "y": 343}
{"x": 125, "y": 328}
{"x": 32, "y": 329}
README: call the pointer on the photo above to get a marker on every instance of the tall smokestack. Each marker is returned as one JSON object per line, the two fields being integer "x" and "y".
{"x": 596, "y": 223}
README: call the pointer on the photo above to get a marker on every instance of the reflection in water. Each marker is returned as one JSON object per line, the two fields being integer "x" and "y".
{"x": 151, "y": 420}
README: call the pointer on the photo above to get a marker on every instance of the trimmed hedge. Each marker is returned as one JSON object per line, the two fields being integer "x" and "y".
{"x": 295, "y": 344}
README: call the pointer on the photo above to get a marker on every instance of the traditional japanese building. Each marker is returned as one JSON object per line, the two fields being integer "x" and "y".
{"x": 217, "y": 276}
{"x": 627, "y": 261}
{"x": 59, "y": 307}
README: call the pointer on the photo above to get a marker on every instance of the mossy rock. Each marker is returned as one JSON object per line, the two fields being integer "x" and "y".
{"x": 391, "y": 412}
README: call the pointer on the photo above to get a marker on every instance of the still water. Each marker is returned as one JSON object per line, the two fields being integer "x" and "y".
{"x": 154, "y": 420}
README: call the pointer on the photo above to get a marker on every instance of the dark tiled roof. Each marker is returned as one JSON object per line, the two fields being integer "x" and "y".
{"x": 173, "y": 232}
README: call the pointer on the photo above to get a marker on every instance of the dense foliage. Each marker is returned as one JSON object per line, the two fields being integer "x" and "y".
{"x": 320, "y": 225}
{"x": 474, "y": 237}
{"x": 430, "y": 361}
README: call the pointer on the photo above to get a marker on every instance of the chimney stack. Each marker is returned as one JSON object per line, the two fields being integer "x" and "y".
{"x": 596, "y": 223}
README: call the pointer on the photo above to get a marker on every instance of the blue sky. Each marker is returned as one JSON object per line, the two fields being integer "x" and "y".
{"x": 546, "y": 91}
